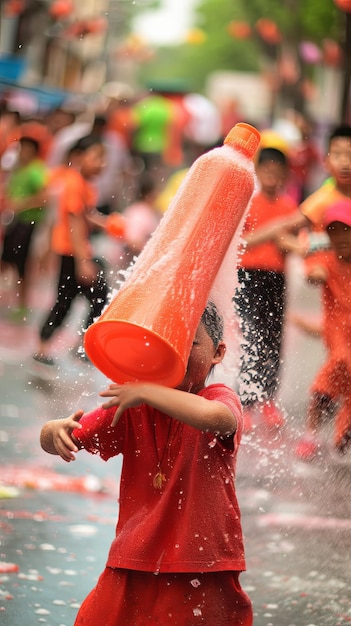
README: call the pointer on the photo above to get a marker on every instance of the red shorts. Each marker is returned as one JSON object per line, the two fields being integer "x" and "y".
{"x": 130, "y": 598}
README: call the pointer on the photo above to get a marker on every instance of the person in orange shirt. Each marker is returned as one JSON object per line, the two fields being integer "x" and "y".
{"x": 260, "y": 297}
{"x": 331, "y": 388}
{"x": 338, "y": 186}
{"x": 80, "y": 272}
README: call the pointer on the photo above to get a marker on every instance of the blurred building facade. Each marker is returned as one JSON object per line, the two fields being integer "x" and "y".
{"x": 59, "y": 43}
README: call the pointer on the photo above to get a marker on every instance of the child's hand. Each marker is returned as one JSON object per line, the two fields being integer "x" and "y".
{"x": 123, "y": 396}
{"x": 317, "y": 275}
{"x": 61, "y": 431}
{"x": 86, "y": 271}
{"x": 287, "y": 242}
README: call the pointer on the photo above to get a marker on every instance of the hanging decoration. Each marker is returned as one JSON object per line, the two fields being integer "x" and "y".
{"x": 61, "y": 9}
{"x": 13, "y": 8}
{"x": 195, "y": 36}
{"x": 343, "y": 5}
{"x": 310, "y": 53}
{"x": 332, "y": 53}
{"x": 268, "y": 31}
{"x": 239, "y": 30}
{"x": 88, "y": 26}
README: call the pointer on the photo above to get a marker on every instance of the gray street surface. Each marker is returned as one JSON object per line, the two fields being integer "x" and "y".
{"x": 57, "y": 520}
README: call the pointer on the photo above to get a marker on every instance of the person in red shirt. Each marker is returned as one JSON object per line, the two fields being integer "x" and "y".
{"x": 260, "y": 297}
{"x": 331, "y": 387}
{"x": 178, "y": 550}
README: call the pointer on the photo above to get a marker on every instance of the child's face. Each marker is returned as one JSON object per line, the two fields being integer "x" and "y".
{"x": 340, "y": 237}
{"x": 26, "y": 153}
{"x": 92, "y": 161}
{"x": 203, "y": 356}
{"x": 338, "y": 160}
{"x": 272, "y": 178}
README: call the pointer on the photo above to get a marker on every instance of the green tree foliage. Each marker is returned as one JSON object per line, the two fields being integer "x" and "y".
{"x": 298, "y": 20}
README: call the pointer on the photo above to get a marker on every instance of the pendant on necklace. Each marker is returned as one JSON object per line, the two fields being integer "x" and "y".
{"x": 158, "y": 480}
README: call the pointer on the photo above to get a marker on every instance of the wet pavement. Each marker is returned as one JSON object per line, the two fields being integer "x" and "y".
{"x": 57, "y": 520}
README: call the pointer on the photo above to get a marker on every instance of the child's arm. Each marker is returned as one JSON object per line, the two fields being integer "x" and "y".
{"x": 56, "y": 436}
{"x": 39, "y": 199}
{"x": 189, "y": 408}
{"x": 274, "y": 228}
{"x": 86, "y": 269}
{"x": 287, "y": 242}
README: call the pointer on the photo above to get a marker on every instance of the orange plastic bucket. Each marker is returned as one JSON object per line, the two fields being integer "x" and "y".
{"x": 146, "y": 332}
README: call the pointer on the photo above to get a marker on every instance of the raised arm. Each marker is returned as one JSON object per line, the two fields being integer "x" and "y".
{"x": 189, "y": 408}
{"x": 273, "y": 229}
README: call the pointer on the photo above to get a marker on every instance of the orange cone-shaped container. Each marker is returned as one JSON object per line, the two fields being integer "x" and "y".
{"x": 146, "y": 332}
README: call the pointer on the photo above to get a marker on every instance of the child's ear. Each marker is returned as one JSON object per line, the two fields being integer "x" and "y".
{"x": 219, "y": 354}
{"x": 325, "y": 162}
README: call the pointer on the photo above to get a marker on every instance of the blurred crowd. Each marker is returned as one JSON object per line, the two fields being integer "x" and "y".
{"x": 148, "y": 141}
{"x": 82, "y": 190}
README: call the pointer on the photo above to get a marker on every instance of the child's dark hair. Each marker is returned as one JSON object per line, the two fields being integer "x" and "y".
{"x": 213, "y": 323}
{"x": 343, "y": 132}
{"x": 30, "y": 141}
{"x": 272, "y": 155}
{"x": 84, "y": 143}
{"x": 146, "y": 185}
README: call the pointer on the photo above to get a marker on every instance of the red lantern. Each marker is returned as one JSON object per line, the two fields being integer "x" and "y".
{"x": 13, "y": 8}
{"x": 96, "y": 25}
{"x": 61, "y": 9}
{"x": 332, "y": 53}
{"x": 239, "y": 30}
{"x": 91, "y": 26}
{"x": 343, "y": 5}
{"x": 268, "y": 31}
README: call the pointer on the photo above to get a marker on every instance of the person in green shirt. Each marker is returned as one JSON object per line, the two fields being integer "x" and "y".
{"x": 25, "y": 204}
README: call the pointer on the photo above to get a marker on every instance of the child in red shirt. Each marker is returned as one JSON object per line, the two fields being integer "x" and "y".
{"x": 332, "y": 385}
{"x": 178, "y": 513}
{"x": 260, "y": 297}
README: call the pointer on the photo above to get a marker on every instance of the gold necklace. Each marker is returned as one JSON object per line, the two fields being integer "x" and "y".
{"x": 160, "y": 477}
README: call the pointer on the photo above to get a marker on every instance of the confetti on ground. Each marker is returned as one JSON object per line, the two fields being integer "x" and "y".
{"x": 44, "y": 479}
{"x": 8, "y": 492}
{"x": 7, "y": 568}
{"x": 82, "y": 530}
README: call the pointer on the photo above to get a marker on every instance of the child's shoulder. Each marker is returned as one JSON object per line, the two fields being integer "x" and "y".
{"x": 220, "y": 391}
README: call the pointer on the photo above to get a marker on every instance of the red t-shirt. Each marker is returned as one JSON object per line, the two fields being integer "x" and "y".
{"x": 336, "y": 296}
{"x": 70, "y": 194}
{"x": 193, "y": 523}
{"x": 265, "y": 256}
